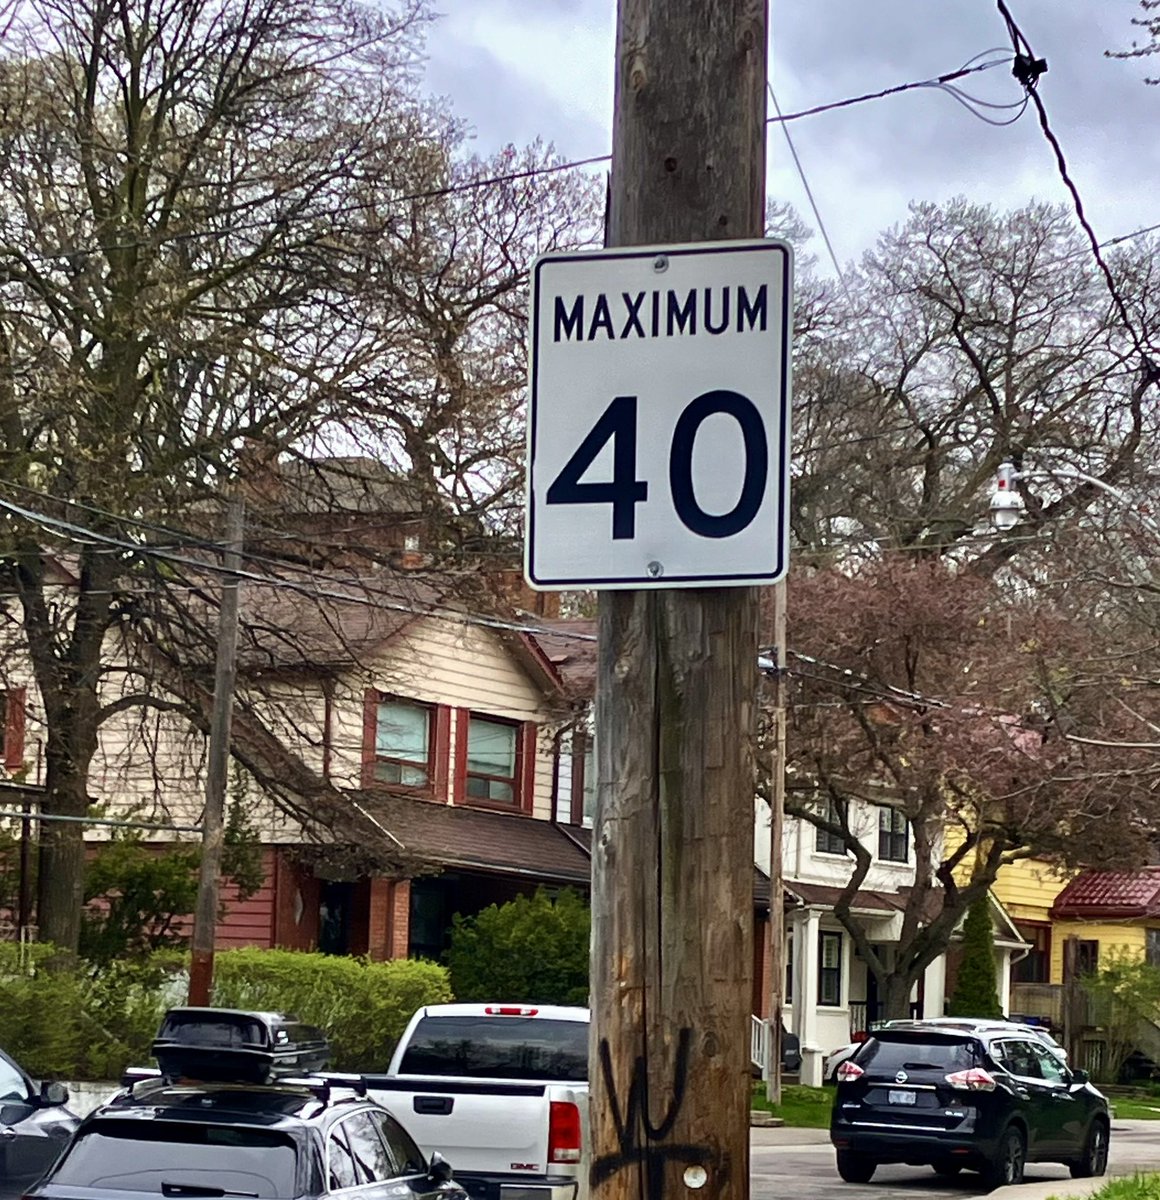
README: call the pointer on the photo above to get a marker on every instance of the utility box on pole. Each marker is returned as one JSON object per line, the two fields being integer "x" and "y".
{"x": 664, "y": 488}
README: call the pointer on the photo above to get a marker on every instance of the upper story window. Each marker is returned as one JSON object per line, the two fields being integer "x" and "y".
{"x": 583, "y": 758}
{"x": 893, "y": 835}
{"x": 826, "y": 842}
{"x": 492, "y": 761}
{"x": 404, "y": 743}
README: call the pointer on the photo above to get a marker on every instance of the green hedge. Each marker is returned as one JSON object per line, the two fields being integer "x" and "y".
{"x": 72, "y": 1023}
{"x": 79, "y": 1022}
{"x": 362, "y": 1005}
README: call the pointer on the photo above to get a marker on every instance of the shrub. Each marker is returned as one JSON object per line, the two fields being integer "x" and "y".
{"x": 363, "y": 1006}
{"x": 533, "y": 949}
{"x": 975, "y": 993}
{"x": 69, "y": 1023}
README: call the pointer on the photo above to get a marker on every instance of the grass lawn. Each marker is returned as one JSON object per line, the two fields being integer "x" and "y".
{"x": 800, "y": 1107}
{"x": 1136, "y": 1110}
{"x": 1130, "y": 1187}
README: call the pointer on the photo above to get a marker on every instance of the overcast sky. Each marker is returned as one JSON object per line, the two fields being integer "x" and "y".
{"x": 521, "y": 69}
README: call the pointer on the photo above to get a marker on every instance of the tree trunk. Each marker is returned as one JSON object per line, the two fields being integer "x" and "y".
{"x": 895, "y": 992}
{"x": 61, "y": 859}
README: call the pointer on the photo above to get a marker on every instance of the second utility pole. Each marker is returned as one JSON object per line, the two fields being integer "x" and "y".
{"x": 213, "y": 821}
{"x": 672, "y": 889}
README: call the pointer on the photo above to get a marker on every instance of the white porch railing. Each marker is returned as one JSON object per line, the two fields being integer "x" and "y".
{"x": 759, "y": 1044}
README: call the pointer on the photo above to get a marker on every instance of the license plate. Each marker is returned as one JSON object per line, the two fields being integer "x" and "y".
{"x": 901, "y": 1097}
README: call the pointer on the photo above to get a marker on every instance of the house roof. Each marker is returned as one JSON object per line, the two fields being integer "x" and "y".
{"x": 868, "y": 901}
{"x": 1110, "y": 895}
{"x": 570, "y": 646}
{"x": 480, "y": 840}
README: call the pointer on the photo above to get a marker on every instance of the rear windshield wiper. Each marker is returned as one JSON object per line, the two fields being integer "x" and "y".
{"x": 201, "y": 1189}
{"x": 923, "y": 1066}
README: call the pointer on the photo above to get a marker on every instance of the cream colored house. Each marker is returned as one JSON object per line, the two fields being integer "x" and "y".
{"x": 415, "y": 747}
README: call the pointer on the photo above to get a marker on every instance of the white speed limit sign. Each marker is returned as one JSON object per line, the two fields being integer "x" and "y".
{"x": 658, "y": 432}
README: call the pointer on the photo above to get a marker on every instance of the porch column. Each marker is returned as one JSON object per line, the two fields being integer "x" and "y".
{"x": 805, "y": 1009}
{"x": 935, "y": 989}
{"x": 1003, "y": 977}
{"x": 400, "y": 926}
{"x": 379, "y": 918}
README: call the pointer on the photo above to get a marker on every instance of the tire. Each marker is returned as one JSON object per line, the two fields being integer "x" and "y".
{"x": 855, "y": 1168}
{"x": 1095, "y": 1154}
{"x": 1006, "y": 1169}
{"x": 948, "y": 1170}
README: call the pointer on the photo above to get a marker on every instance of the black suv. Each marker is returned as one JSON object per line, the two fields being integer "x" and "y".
{"x": 988, "y": 1100}
{"x": 228, "y": 1116}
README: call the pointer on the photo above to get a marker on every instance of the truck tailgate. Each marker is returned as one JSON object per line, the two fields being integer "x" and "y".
{"x": 492, "y": 1127}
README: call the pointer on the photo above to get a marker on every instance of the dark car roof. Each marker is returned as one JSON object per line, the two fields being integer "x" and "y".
{"x": 277, "y": 1106}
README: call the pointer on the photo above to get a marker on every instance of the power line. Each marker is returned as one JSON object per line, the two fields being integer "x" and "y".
{"x": 387, "y": 600}
{"x": 1028, "y": 70}
{"x": 810, "y": 195}
{"x": 470, "y": 185}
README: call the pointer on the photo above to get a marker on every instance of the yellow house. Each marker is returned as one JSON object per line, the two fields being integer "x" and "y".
{"x": 1027, "y": 889}
{"x": 1075, "y": 923}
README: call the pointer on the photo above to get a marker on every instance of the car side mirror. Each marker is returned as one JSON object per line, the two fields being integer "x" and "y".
{"x": 438, "y": 1168}
{"x": 52, "y": 1094}
{"x": 1079, "y": 1077}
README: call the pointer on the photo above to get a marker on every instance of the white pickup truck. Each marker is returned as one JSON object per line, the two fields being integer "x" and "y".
{"x": 501, "y": 1091}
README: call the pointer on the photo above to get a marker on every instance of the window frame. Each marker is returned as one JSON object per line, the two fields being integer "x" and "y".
{"x": 522, "y": 780}
{"x": 888, "y": 838}
{"x": 438, "y": 739}
{"x": 583, "y": 778}
{"x": 824, "y": 840}
{"x": 836, "y": 973}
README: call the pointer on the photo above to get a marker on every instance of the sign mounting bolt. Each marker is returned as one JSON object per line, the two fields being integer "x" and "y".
{"x": 655, "y": 569}
{"x": 661, "y": 263}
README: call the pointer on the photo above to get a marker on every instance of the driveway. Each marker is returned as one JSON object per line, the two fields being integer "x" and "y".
{"x": 800, "y": 1162}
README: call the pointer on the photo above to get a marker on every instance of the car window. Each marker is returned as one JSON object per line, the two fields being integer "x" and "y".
{"x": 408, "y": 1158}
{"x": 12, "y": 1085}
{"x": 367, "y": 1149}
{"x": 538, "y": 1048}
{"x": 937, "y": 1054}
{"x": 340, "y": 1169}
{"x": 1020, "y": 1059}
{"x": 140, "y": 1156}
{"x": 1049, "y": 1065}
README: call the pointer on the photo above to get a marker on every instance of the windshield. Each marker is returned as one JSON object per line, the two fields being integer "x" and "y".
{"x": 12, "y": 1085}
{"x": 167, "y": 1157}
{"x": 534, "y": 1048}
{"x": 935, "y": 1054}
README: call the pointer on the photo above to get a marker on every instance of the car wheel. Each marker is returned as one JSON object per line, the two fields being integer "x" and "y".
{"x": 1006, "y": 1169}
{"x": 855, "y": 1168}
{"x": 1095, "y": 1155}
{"x": 948, "y": 1169}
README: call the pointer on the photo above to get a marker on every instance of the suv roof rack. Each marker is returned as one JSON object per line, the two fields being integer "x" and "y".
{"x": 228, "y": 1045}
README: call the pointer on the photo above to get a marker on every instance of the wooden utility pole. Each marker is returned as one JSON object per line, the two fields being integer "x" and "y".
{"x": 776, "y": 825}
{"x": 213, "y": 822}
{"x": 672, "y": 898}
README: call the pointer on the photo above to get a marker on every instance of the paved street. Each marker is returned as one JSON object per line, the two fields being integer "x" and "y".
{"x": 788, "y": 1163}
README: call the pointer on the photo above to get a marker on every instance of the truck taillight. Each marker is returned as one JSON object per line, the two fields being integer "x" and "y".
{"x": 563, "y": 1132}
{"x": 848, "y": 1071}
{"x": 509, "y": 1010}
{"x": 974, "y": 1080}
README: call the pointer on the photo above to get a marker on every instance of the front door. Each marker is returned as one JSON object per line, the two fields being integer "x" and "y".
{"x": 335, "y": 902}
